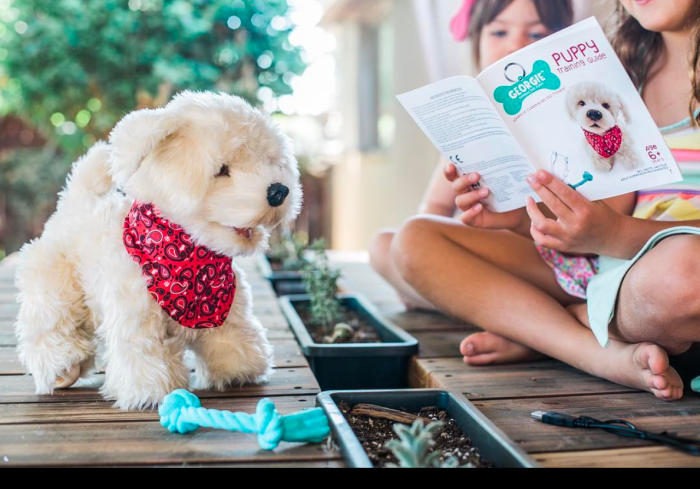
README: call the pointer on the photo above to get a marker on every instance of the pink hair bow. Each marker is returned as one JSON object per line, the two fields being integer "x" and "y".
{"x": 460, "y": 23}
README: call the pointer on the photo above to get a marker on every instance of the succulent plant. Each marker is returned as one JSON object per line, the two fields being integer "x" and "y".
{"x": 413, "y": 447}
{"x": 341, "y": 332}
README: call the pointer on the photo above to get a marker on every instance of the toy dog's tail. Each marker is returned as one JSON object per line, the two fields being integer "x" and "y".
{"x": 89, "y": 177}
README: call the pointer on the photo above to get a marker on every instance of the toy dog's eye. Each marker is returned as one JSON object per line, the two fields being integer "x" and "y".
{"x": 582, "y": 103}
{"x": 606, "y": 106}
{"x": 224, "y": 172}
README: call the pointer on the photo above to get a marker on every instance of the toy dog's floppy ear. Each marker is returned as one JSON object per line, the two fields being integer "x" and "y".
{"x": 623, "y": 109}
{"x": 572, "y": 103}
{"x": 134, "y": 137}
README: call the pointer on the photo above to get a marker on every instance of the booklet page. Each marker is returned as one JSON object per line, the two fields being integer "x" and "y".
{"x": 575, "y": 112}
{"x": 461, "y": 121}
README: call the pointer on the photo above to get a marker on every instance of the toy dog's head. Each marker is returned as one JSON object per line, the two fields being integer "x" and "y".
{"x": 214, "y": 165}
{"x": 595, "y": 107}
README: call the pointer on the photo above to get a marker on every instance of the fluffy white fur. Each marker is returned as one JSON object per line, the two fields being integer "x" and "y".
{"x": 79, "y": 285}
{"x": 593, "y": 96}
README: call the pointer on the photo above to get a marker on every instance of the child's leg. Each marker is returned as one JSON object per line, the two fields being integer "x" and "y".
{"x": 660, "y": 297}
{"x": 380, "y": 258}
{"x": 501, "y": 287}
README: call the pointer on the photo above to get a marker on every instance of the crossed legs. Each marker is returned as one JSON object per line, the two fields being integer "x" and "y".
{"x": 498, "y": 281}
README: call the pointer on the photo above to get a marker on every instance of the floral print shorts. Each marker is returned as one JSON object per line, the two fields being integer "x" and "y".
{"x": 574, "y": 273}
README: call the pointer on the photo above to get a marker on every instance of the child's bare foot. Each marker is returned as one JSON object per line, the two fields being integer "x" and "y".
{"x": 489, "y": 349}
{"x": 644, "y": 366}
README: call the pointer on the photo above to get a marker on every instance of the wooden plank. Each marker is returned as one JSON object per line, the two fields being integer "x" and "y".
{"x": 9, "y": 362}
{"x": 8, "y": 312}
{"x": 538, "y": 379}
{"x": 317, "y": 464}
{"x": 8, "y": 297}
{"x": 420, "y": 321}
{"x": 284, "y": 382}
{"x": 7, "y": 337}
{"x": 440, "y": 344}
{"x": 644, "y": 410}
{"x": 643, "y": 458}
{"x": 288, "y": 354}
{"x": 103, "y": 412}
{"x": 112, "y": 444}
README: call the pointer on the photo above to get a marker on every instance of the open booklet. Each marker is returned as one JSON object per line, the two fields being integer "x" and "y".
{"x": 564, "y": 104}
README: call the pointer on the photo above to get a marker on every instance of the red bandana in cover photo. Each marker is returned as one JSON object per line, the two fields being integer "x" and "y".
{"x": 606, "y": 145}
{"x": 193, "y": 284}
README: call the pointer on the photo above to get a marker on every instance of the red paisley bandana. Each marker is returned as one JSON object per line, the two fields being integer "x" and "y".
{"x": 194, "y": 285}
{"x": 606, "y": 145}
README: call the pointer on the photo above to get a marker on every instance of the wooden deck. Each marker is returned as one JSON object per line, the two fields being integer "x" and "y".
{"x": 509, "y": 394}
{"x": 78, "y": 428}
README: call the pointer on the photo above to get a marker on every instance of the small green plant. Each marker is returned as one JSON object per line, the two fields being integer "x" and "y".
{"x": 321, "y": 281}
{"x": 2, "y": 253}
{"x": 413, "y": 449}
{"x": 289, "y": 250}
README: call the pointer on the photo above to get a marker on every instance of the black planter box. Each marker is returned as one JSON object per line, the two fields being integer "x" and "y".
{"x": 356, "y": 366}
{"x": 283, "y": 282}
{"x": 493, "y": 445}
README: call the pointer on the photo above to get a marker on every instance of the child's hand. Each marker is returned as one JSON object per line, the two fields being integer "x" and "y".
{"x": 582, "y": 226}
{"x": 469, "y": 202}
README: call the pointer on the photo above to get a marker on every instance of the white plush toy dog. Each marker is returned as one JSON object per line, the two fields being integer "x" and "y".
{"x": 602, "y": 115}
{"x": 139, "y": 253}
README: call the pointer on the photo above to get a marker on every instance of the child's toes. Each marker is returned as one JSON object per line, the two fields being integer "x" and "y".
{"x": 658, "y": 383}
{"x": 654, "y": 358}
{"x": 467, "y": 347}
{"x": 482, "y": 360}
{"x": 481, "y": 344}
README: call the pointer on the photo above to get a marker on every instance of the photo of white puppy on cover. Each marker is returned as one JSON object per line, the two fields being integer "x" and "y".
{"x": 140, "y": 253}
{"x": 604, "y": 119}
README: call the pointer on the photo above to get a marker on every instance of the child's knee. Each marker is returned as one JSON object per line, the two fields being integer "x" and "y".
{"x": 380, "y": 250}
{"x": 410, "y": 246}
{"x": 666, "y": 286}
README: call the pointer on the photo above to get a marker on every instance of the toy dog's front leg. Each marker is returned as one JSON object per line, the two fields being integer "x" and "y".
{"x": 54, "y": 328}
{"x": 236, "y": 353}
{"x": 144, "y": 363}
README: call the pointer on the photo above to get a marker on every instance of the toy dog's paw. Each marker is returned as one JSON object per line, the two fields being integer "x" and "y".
{"x": 68, "y": 378}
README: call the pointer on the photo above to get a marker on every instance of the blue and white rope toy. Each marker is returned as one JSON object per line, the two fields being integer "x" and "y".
{"x": 182, "y": 412}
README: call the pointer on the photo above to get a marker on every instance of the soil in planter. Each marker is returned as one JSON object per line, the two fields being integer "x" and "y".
{"x": 374, "y": 434}
{"x": 365, "y": 332}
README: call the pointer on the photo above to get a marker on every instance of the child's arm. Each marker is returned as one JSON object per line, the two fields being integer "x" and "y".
{"x": 439, "y": 198}
{"x": 635, "y": 233}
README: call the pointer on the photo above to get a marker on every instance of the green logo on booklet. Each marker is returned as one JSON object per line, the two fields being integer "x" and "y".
{"x": 512, "y": 97}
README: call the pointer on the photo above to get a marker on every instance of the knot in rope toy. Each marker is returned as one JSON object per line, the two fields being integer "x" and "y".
{"x": 182, "y": 412}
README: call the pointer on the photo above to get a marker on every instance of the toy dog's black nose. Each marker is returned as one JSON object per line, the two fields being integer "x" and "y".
{"x": 595, "y": 115}
{"x": 277, "y": 194}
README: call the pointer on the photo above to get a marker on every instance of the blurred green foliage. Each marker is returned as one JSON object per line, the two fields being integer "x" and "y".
{"x": 71, "y": 69}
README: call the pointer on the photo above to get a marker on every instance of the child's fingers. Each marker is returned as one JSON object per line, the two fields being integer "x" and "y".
{"x": 570, "y": 197}
{"x": 541, "y": 222}
{"x": 544, "y": 240}
{"x": 466, "y": 183}
{"x": 451, "y": 172}
{"x": 467, "y": 201}
{"x": 552, "y": 201}
{"x": 469, "y": 217}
